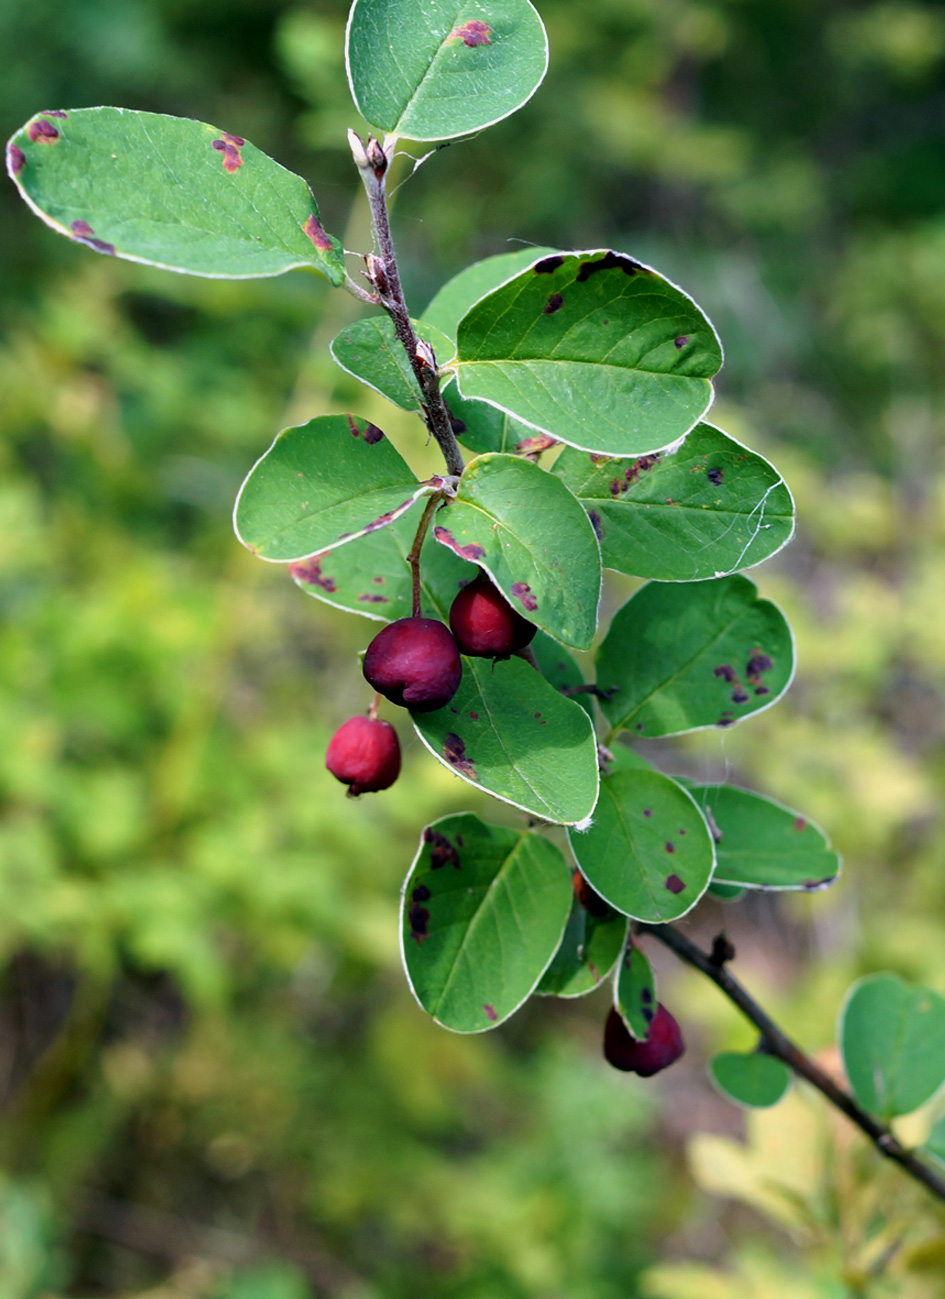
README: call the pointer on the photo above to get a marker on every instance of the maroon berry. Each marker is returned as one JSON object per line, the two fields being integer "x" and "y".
{"x": 663, "y": 1046}
{"x": 589, "y": 898}
{"x": 364, "y": 753}
{"x": 485, "y": 624}
{"x": 414, "y": 662}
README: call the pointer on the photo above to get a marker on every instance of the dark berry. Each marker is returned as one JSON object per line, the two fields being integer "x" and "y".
{"x": 414, "y": 662}
{"x": 663, "y": 1046}
{"x": 364, "y": 753}
{"x": 485, "y": 624}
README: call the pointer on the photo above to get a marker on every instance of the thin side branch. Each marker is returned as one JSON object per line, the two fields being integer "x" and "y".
{"x": 777, "y": 1043}
{"x": 413, "y": 559}
{"x": 372, "y": 161}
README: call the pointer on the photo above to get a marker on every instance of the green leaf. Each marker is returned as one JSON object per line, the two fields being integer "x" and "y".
{"x": 463, "y": 291}
{"x": 322, "y": 484}
{"x": 761, "y": 844}
{"x": 371, "y": 576}
{"x": 523, "y": 525}
{"x": 482, "y": 914}
{"x": 703, "y": 509}
{"x": 559, "y": 669}
{"x": 170, "y": 192}
{"x": 444, "y": 68}
{"x": 892, "y": 1036}
{"x": 725, "y": 892}
{"x": 586, "y": 955}
{"x": 686, "y": 656}
{"x": 369, "y": 350}
{"x": 510, "y": 733}
{"x": 480, "y": 428}
{"x": 756, "y": 1081}
{"x": 648, "y": 851}
{"x": 592, "y": 348}
{"x": 635, "y": 992}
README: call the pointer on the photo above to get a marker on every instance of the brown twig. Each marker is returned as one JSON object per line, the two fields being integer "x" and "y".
{"x": 372, "y": 162}
{"x": 778, "y": 1044}
{"x": 413, "y": 558}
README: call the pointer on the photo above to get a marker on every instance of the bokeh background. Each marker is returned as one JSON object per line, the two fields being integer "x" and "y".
{"x": 213, "y": 1079}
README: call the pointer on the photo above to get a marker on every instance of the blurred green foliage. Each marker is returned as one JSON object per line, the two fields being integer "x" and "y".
{"x": 214, "y": 1081}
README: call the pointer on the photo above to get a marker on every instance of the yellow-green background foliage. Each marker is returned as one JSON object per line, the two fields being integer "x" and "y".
{"x": 214, "y": 1080}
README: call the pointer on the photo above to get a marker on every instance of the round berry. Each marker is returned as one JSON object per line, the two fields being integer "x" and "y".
{"x": 663, "y": 1046}
{"x": 364, "y": 753}
{"x": 485, "y": 624}
{"x": 414, "y": 662}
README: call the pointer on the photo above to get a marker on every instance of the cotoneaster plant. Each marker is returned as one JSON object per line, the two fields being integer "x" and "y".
{"x": 568, "y": 392}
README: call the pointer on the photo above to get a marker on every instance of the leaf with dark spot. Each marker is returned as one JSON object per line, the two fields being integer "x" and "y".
{"x": 472, "y": 550}
{"x": 715, "y": 476}
{"x": 418, "y": 918}
{"x": 554, "y": 303}
{"x": 454, "y": 751}
{"x": 674, "y": 884}
{"x": 610, "y": 261}
{"x": 316, "y": 232}
{"x": 548, "y": 265}
{"x": 230, "y": 146}
{"x": 490, "y": 1013}
{"x": 41, "y": 132}
{"x": 16, "y": 159}
{"x": 442, "y": 852}
{"x": 309, "y": 571}
{"x": 473, "y": 33}
{"x": 523, "y": 592}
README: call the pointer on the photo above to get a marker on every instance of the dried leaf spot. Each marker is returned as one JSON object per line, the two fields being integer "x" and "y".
{"x": 473, "y": 33}
{"x": 309, "y": 571}
{"x": 646, "y": 996}
{"x": 762, "y": 690}
{"x": 378, "y": 581}
{"x": 442, "y": 852}
{"x": 16, "y": 159}
{"x": 490, "y": 1013}
{"x": 472, "y": 550}
{"x": 609, "y": 262}
{"x": 388, "y": 516}
{"x": 647, "y": 811}
{"x": 726, "y": 672}
{"x": 674, "y": 884}
{"x": 554, "y": 303}
{"x": 474, "y": 717}
{"x": 418, "y": 918}
{"x": 421, "y": 893}
{"x": 454, "y": 752}
{"x": 373, "y": 435}
{"x": 670, "y": 847}
{"x": 681, "y": 342}
{"x": 369, "y": 597}
{"x": 456, "y": 424}
{"x": 596, "y": 524}
{"x": 757, "y": 664}
{"x": 353, "y": 426}
{"x": 84, "y": 234}
{"x": 54, "y": 112}
{"x": 549, "y": 264}
{"x": 800, "y": 824}
{"x": 726, "y": 720}
{"x": 230, "y": 146}
{"x": 740, "y": 696}
{"x": 648, "y": 1013}
{"x": 41, "y": 132}
{"x": 715, "y": 476}
{"x": 532, "y": 446}
{"x": 316, "y": 232}
{"x": 523, "y": 592}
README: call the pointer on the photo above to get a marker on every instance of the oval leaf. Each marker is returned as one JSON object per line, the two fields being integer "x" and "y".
{"x": 525, "y": 528}
{"x": 892, "y": 1036}
{"x": 371, "y": 576}
{"x": 648, "y": 851}
{"x": 322, "y": 484}
{"x": 592, "y": 348}
{"x": 635, "y": 992}
{"x": 756, "y": 1081}
{"x": 370, "y": 350}
{"x": 587, "y": 953}
{"x": 482, "y": 914}
{"x": 701, "y": 510}
{"x": 170, "y": 192}
{"x": 444, "y": 68}
{"x": 761, "y": 844}
{"x": 456, "y": 297}
{"x": 682, "y": 657}
{"x": 510, "y": 733}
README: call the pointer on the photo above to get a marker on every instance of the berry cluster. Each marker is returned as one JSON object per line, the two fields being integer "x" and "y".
{"x": 415, "y": 662}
